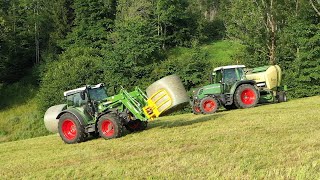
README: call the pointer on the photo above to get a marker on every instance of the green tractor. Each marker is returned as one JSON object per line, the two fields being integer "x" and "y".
{"x": 236, "y": 87}
{"x": 90, "y": 112}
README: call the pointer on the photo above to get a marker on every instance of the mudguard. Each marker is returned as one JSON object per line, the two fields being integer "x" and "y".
{"x": 75, "y": 113}
{"x": 238, "y": 83}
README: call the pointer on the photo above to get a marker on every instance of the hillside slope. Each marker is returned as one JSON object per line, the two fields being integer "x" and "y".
{"x": 269, "y": 141}
{"x": 19, "y": 117}
{"x": 219, "y": 53}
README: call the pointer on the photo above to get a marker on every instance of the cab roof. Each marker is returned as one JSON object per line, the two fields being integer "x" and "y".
{"x": 74, "y": 91}
{"x": 229, "y": 67}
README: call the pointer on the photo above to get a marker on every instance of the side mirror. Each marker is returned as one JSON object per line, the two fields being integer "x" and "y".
{"x": 83, "y": 95}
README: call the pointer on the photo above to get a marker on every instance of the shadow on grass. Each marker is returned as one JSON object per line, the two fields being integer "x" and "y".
{"x": 165, "y": 123}
{"x": 182, "y": 122}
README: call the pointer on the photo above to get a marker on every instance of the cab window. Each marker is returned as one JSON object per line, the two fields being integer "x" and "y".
{"x": 75, "y": 100}
{"x": 230, "y": 75}
{"x": 218, "y": 77}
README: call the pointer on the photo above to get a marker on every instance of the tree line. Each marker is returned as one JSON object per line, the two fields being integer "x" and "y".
{"x": 68, "y": 43}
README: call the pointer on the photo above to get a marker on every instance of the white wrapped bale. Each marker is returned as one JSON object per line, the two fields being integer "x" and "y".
{"x": 173, "y": 85}
{"x": 50, "y": 117}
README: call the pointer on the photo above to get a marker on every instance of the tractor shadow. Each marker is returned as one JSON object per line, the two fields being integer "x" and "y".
{"x": 167, "y": 123}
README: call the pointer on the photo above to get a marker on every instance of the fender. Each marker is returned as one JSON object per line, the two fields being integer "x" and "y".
{"x": 238, "y": 83}
{"x": 75, "y": 113}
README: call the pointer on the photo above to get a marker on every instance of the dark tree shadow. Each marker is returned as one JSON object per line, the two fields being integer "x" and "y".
{"x": 15, "y": 94}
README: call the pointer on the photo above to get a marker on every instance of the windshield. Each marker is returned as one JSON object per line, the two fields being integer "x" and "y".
{"x": 97, "y": 94}
{"x": 230, "y": 75}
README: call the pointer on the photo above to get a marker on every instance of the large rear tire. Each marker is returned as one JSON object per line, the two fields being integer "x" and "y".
{"x": 246, "y": 96}
{"x": 136, "y": 125}
{"x": 70, "y": 129}
{"x": 208, "y": 105}
{"x": 110, "y": 126}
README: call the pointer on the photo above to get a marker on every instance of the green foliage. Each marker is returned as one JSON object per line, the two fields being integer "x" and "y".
{"x": 136, "y": 44}
{"x": 192, "y": 67}
{"x": 75, "y": 68}
{"x": 250, "y": 30}
{"x": 173, "y": 22}
{"x": 207, "y": 16}
{"x": 93, "y": 22}
{"x": 304, "y": 58}
{"x": 292, "y": 26}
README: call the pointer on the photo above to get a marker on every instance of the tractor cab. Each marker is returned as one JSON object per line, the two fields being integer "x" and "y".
{"x": 227, "y": 76}
{"x": 86, "y": 98}
{"x": 226, "y": 82}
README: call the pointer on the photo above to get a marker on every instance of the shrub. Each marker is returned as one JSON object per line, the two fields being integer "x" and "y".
{"x": 75, "y": 68}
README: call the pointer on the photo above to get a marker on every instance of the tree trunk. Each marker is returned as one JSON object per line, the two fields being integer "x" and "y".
{"x": 315, "y": 8}
{"x": 36, "y": 33}
{"x": 272, "y": 25}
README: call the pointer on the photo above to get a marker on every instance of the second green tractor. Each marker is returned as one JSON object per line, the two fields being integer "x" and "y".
{"x": 235, "y": 86}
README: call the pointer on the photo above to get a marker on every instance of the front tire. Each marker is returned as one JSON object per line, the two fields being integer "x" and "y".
{"x": 246, "y": 96}
{"x": 196, "y": 109}
{"x": 208, "y": 105}
{"x": 70, "y": 129}
{"x": 110, "y": 126}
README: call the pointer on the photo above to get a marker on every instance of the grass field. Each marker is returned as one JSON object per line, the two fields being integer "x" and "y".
{"x": 278, "y": 141}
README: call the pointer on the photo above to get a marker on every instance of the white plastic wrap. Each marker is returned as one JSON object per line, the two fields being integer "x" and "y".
{"x": 173, "y": 85}
{"x": 50, "y": 116}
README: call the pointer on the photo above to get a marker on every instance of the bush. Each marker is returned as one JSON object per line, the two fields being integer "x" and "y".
{"x": 75, "y": 68}
{"x": 193, "y": 68}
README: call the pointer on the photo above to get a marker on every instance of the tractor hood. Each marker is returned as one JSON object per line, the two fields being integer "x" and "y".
{"x": 205, "y": 90}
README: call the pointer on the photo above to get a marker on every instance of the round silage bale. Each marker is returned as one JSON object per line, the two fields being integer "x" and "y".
{"x": 50, "y": 117}
{"x": 173, "y": 85}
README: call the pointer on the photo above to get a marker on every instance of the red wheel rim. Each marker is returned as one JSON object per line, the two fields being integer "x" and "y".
{"x": 107, "y": 128}
{"x": 69, "y": 129}
{"x": 248, "y": 96}
{"x": 197, "y": 109}
{"x": 209, "y": 105}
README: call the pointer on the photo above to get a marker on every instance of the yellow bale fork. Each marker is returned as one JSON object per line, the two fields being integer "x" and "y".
{"x": 157, "y": 104}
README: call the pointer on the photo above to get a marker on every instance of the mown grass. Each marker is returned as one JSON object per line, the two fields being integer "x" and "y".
{"x": 278, "y": 141}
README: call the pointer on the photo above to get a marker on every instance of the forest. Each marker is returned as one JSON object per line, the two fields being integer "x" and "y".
{"x": 65, "y": 44}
